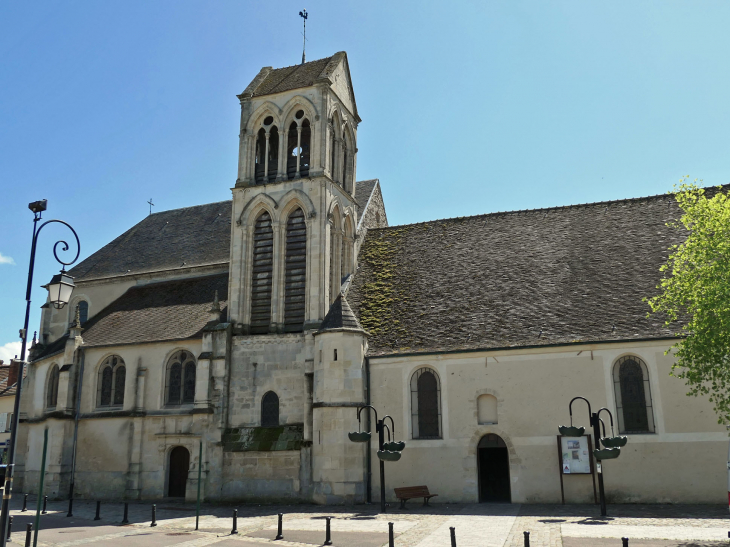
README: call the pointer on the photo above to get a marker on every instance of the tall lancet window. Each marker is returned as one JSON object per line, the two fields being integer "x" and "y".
{"x": 296, "y": 272}
{"x": 273, "y": 163}
{"x": 297, "y": 147}
{"x": 260, "y": 156}
{"x": 267, "y": 152}
{"x": 305, "y": 147}
{"x": 262, "y": 274}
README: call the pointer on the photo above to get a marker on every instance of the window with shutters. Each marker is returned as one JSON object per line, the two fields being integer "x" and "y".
{"x": 180, "y": 379}
{"x": 633, "y": 395}
{"x": 270, "y": 409}
{"x": 52, "y": 387}
{"x": 295, "y": 275}
{"x": 297, "y": 147}
{"x": 262, "y": 274}
{"x": 112, "y": 378}
{"x": 425, "y": 404}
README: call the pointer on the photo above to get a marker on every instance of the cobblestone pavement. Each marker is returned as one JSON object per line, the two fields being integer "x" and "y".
{"x": 483, "y": 525}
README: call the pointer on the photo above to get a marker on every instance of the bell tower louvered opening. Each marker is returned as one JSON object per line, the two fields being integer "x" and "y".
{"x": 261, "y": 275}
{"x": 296, "y": 272}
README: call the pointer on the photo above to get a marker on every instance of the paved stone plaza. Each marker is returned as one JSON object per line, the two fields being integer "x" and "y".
{"x": 485, "y": 525}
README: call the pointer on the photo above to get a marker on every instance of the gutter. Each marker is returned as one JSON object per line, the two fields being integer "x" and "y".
{"x": 79, "y": 384}
{"x": 516, "y": 348}
{"x": 368, "y": 457}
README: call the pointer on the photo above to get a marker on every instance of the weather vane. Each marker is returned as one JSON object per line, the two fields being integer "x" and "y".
{"x": 303, "y": 14}
{"x": 151, "y": 205}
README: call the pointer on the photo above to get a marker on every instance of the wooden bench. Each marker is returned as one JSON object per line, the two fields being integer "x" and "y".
{"x": 409, "y": 492}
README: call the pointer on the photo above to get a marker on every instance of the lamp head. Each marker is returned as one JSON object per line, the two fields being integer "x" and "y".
{"x": 38, "y": 206}
{"x": 60, "y": 289}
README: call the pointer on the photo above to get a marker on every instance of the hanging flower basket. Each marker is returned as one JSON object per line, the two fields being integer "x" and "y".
{"x": 394, "y": 446}
{"x": 359, "y": 436}
{"x": 614, "y": 442}
{"x": 571, "y": 431}
{"x": 607, "y": 453}
{"x": 388, "y": 456}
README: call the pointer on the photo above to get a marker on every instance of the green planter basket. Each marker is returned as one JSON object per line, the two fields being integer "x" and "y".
{"x": 394, "y": 446}
{"x": 614, "y": 442}
{"x": 607, "y": 453}
{"x": 571, "y": 431}
{"x": 359, "y": 437}
{"x": 388, "y": 456}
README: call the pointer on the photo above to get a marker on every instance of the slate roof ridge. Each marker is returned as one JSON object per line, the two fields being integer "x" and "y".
{"x": 605, "y": 203}
{"x": 186, "y": 207}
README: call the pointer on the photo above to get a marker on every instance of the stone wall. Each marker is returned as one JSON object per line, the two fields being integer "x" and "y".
{"x": 254, "y": 476}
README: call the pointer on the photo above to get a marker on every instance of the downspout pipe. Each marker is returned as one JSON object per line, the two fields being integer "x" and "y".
{"x": 79, "y": 384}
{"x": 368, "y": 457}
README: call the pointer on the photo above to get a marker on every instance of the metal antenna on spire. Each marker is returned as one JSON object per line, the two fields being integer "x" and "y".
{"x": 303, "y": 14}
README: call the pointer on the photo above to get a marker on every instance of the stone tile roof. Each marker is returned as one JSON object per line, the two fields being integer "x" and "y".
{"x": 524, "y": 278}
{"x": 169, "y": 310}
{"x": 340, "y": 316}
{"x": 5, "y": 389}
{"x": 191, "y": 236}
{"x": 270, "y": 81}
{"x": 363, "y": 191}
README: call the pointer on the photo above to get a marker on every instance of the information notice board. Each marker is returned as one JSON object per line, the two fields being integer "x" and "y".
{"x": 575, "y": 455}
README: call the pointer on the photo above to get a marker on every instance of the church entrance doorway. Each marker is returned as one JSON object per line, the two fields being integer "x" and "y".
{"x": 493, "y": 466}
{"x": 178, "y": 472}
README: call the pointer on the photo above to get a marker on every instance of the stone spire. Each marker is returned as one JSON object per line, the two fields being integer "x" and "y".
{"x": 215, "y": 309}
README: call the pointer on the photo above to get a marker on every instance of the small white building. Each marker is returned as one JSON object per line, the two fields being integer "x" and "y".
{"x": 250, "y": 330}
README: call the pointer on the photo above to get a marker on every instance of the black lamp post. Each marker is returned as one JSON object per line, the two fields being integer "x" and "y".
{"x": 390, "y": 451}
{"x": 59, "y": 292}
{"x": 612, "y": 445}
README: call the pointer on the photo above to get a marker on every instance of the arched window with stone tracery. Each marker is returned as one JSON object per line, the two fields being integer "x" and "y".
{"x": 298, "y": 144}
{"x": 267, "y": 152}
{"x": 112, "y": 378}
{"x": 180, "y": 379}
{"x": 52, "y": 387}
{"x": 633, "y": 395}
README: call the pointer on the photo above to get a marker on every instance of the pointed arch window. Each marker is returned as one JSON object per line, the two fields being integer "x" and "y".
{"x": 425, "y": 404}
{"x": 296, "y": 272}
{"x": 299, "y": 139}
{"x": 52, "y": 387}
{"x": 112, "y": 377}
{"x": 270, "y": 409}
{"x": 262, "y": 274}
{"x": 180, "y": 379}
{"x": 633, "y": 395}
{"x": 267, "y": 152}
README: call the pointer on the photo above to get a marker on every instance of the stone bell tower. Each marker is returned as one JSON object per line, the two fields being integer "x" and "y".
{"x": 297, "y": 152}
{"x": 292, "y": 248}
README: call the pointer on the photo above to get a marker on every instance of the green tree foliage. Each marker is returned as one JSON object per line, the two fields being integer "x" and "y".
{"x": 695, "y": 289}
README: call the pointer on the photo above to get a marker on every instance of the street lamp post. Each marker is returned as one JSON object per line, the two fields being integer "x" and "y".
{"x": 390, "y": 451}
{"x": 59, "y": 292}
{"x": 612, "y": 445}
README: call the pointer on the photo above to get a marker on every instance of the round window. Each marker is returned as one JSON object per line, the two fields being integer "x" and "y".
{"x": 300, "y": 114}
{"x": 268, "y": 120}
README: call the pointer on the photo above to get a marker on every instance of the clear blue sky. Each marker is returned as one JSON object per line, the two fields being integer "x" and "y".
{"x": 467, "y": 107}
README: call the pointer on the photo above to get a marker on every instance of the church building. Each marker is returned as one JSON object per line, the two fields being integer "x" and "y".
{"x": 238, "y": 339}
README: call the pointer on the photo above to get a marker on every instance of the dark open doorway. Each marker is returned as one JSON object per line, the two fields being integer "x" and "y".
{"x": 493, "y": 465}
{"x": 178, "y": 477}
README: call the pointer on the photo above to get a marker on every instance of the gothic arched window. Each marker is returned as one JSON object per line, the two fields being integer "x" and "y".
{"x": 267, "y": 152}
{"x": 270, "y": 409}
{"x": 112, "y": 376}
{"x": 335, "y": 254}
{"x": 262, "y": 274}
{"x": 52, "y": 388}
{"x": 633, "y": 396}
{"x": 425, "y": 404}
{"x": 295, "y": 275}
{"x": 297, "y": 148}
{"x": 181, "y": 379}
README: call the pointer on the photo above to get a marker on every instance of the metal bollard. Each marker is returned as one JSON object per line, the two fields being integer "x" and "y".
{"x": 25, "y": 503}
{"x": 125, "y": 520}
{"x": 28, "y": 535}
{"x": 98, "y": 510}
{"x": 626, "y": 541}
{"x": 45, "y": 504}
{"x": 328, "y": 533}
{"x": 70, "y": 508}
{"x": 234, "y": 531}
{"x": 279, "y": 535}
{"x": 10, "y": 526}
{"x": 391, "y": 541}
{"x": 154, "y": 515}
{"x": 453, "y": 536}
{"x": 527, "y": 539}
